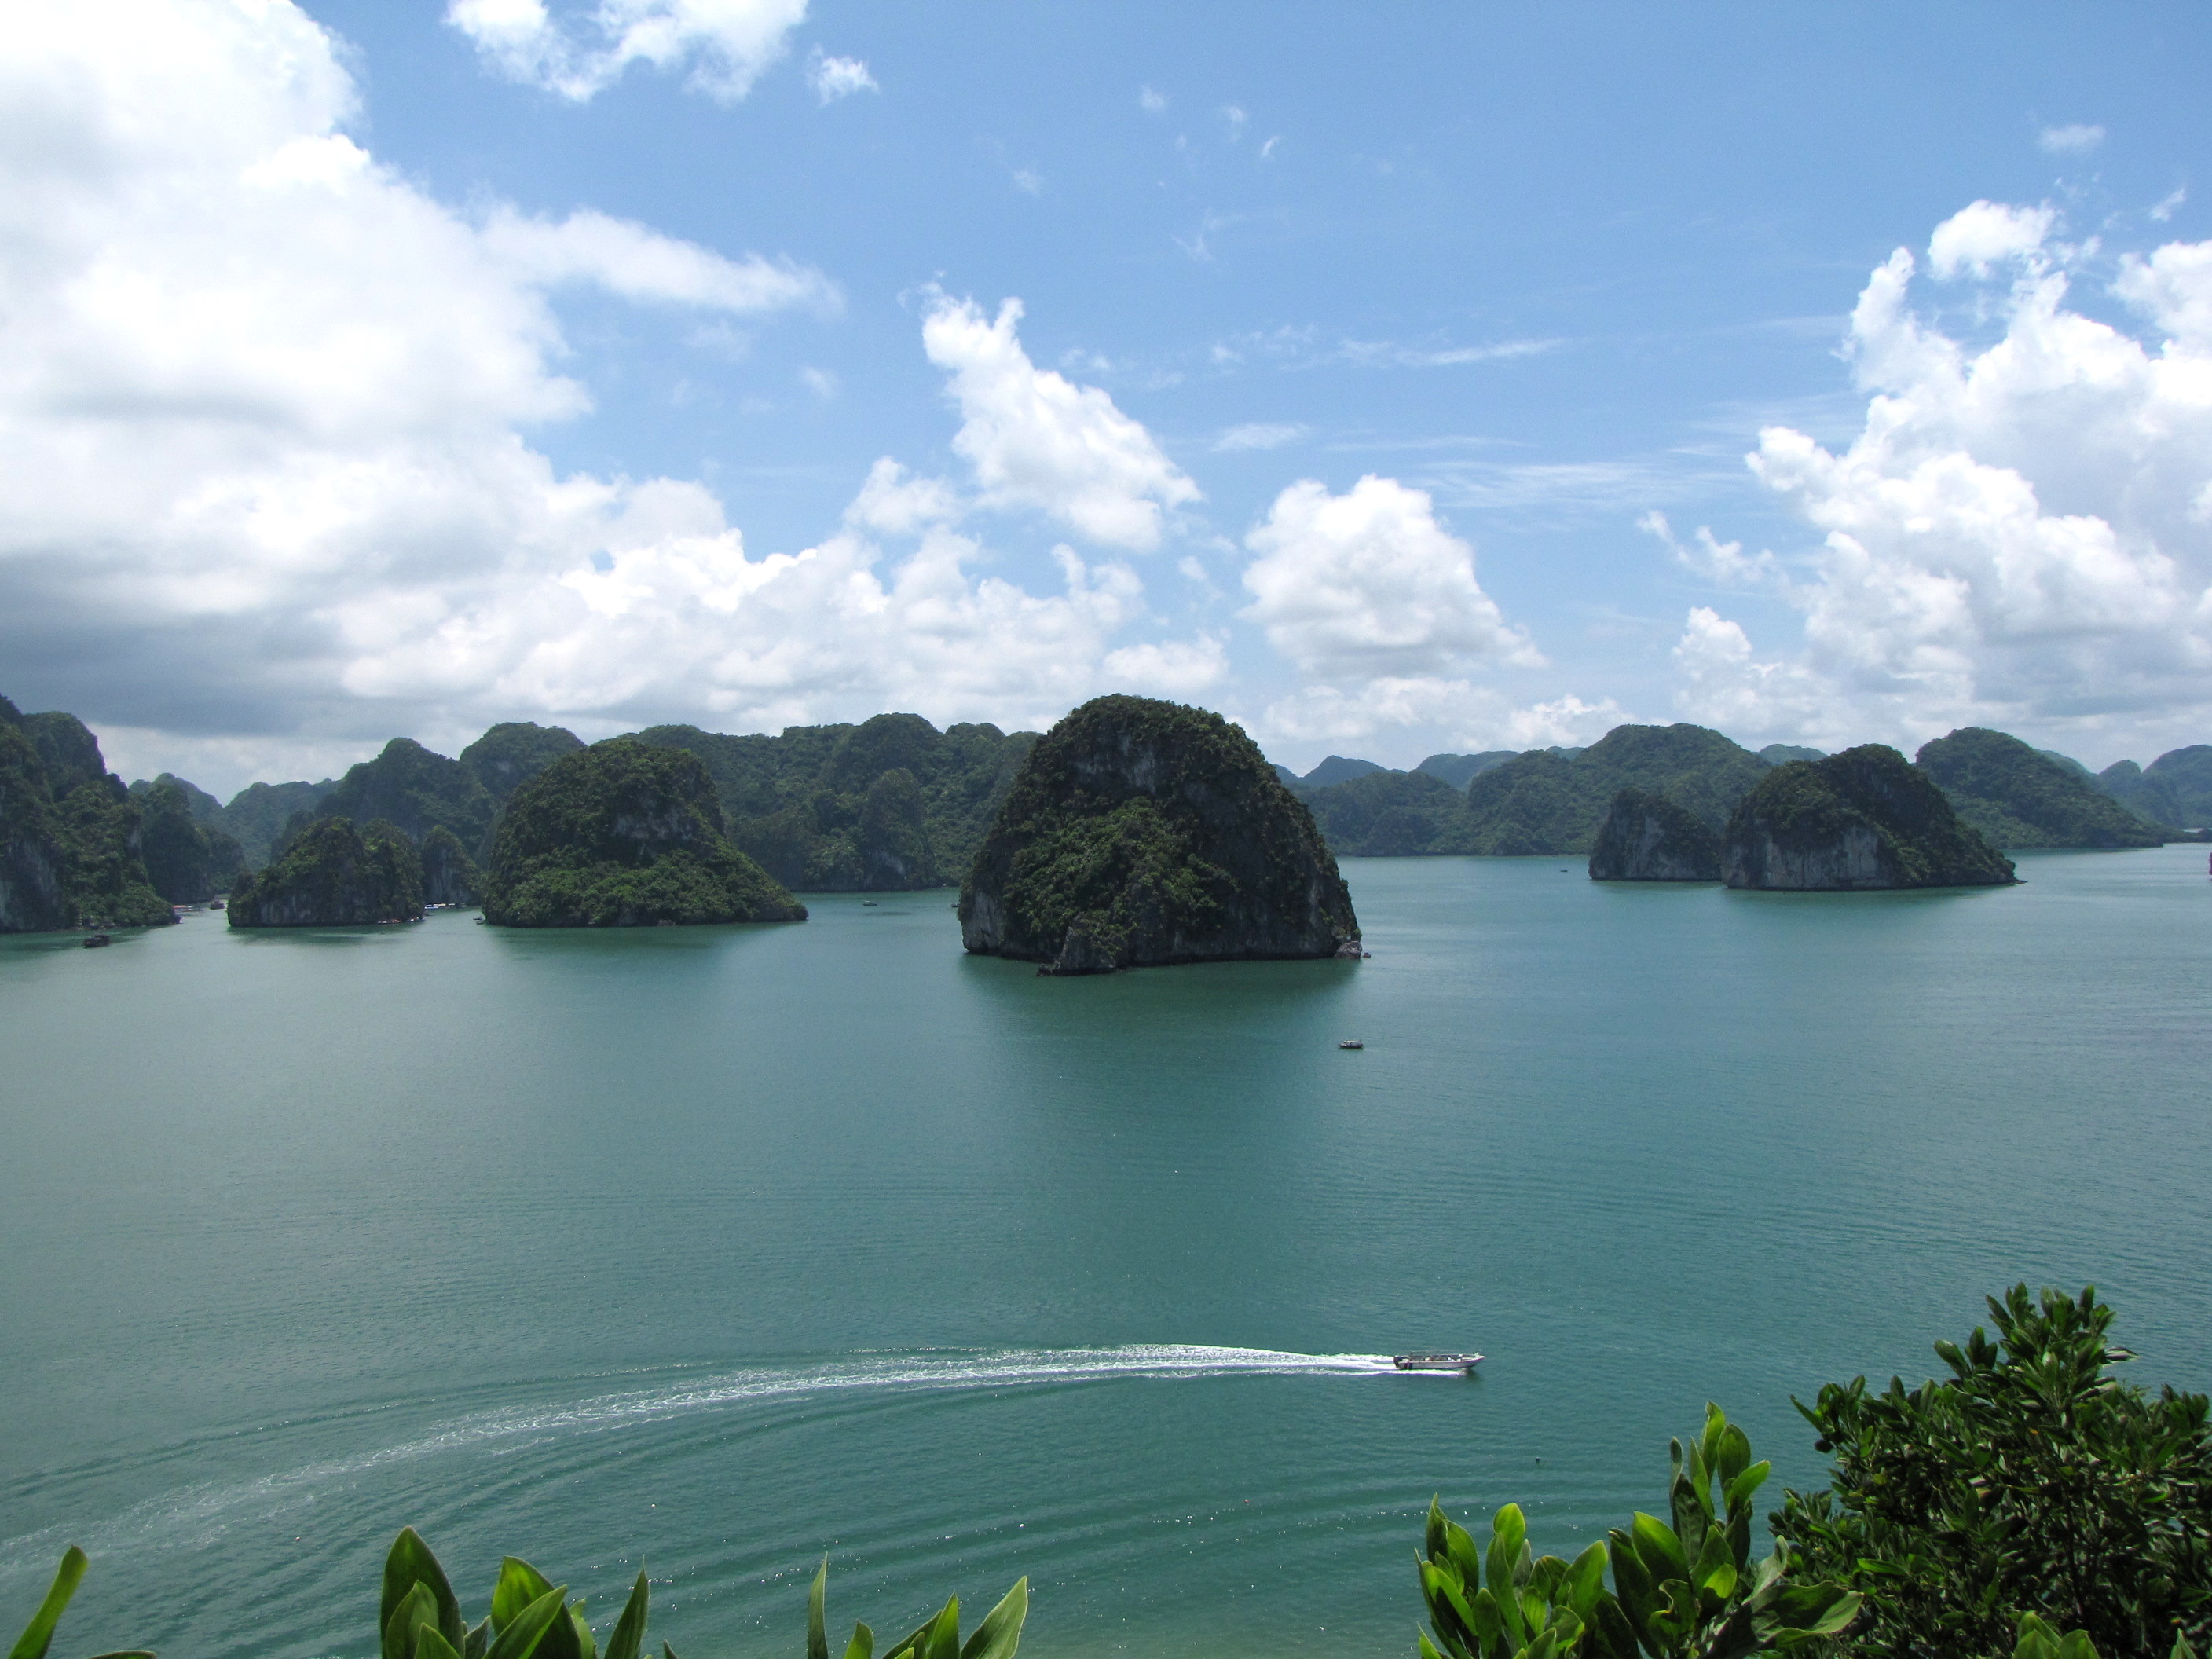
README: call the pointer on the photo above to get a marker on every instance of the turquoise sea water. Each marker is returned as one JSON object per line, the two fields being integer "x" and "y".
{"x": 718, "y": 1249}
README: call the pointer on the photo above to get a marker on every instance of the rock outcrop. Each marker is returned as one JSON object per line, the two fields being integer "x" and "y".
{"x": 623, "y": 835}
{"x": 1139, "y": 834}
{"x": 450, "y": 875}
{"x": 334, "y": 875}
{"x": 1864, "y": 818}
{"x": 1646, "y": 837}
{"x": 2018, "y": 796}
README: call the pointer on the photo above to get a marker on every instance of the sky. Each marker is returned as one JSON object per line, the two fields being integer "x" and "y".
{"x": 1392, "y": 380}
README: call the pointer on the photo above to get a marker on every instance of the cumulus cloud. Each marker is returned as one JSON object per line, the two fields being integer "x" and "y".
{"x": 1039, "y": 441}
{"x": 1368, "y": 584}
{"x": 1977, "y": 237}
{"x": 275, "y": 506}
{"x": 833, "y": 78}
{"x": 2022, "y": 535}
{"x": 725, "y": 45}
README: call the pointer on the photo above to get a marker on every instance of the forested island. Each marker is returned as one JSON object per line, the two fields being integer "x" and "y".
{"x": 1141, "y": 833}
{"x": 893, "y": 804}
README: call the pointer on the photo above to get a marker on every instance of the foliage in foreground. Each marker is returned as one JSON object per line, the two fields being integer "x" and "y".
{"x": 2029, "y": 1482}
{"x": 1685, "y": 1591}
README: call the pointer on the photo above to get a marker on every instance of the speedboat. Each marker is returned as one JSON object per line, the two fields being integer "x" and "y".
{"x": 1436, "y": 1362}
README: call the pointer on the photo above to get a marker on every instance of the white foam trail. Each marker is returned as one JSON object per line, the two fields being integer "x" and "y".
{"x": 177, "y": 1518}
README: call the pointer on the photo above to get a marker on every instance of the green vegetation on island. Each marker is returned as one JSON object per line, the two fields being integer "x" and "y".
{"x": 820, "y": 809}
{"x": 2174, "y": 791}
{"x": 187, "y": 860}
{"x": 417, "y": 789}
{"x": 334, "y": 875}
{"x": 1141, "y": 833}
{"x": 71, "y": 851}
{"x": 1547, "y": 802}
{"x": 623, "y": 834}
{"x": 509, "y": 754}
{"x": 1865, "y": 819}
{"x": 2019, "y": 797}
{"x": 256, "y": 815}
{"x": 1647, "y": 837}
{"x": 1390, "y": 815}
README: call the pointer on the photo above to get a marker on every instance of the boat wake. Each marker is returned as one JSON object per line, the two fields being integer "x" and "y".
{"x": 177, "y": 1515}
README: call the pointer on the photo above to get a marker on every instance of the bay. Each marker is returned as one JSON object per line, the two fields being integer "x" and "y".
{"x": 715, "y": 1249}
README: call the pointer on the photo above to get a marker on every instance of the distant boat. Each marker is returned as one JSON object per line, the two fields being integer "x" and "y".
{"x": 93, "y": 940}
{"x": 1436, "y": 1362}
{"x": 1351, "y": 1042}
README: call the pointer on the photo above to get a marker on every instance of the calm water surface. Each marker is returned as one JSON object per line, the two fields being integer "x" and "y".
{"x": 718, "y": 1249}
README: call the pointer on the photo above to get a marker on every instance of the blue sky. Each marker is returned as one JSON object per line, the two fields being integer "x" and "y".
{"x": 423, "y": 447}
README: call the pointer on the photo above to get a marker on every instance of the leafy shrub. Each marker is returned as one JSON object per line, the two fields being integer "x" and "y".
{"x": 2029, "y": 1481}
{"x": 1685, "y": 1591}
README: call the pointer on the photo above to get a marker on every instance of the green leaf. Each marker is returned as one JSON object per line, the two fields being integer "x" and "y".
{"x": 628, "y": 1634}
{"x": 33, "y": 1643}
{"x": 863, "y": 1644}
{"x": 817, "y": 1635}
{"x": 1509, "y": 1541}
{"x": 586, "y": 1647}
{"x": 519, "y": 1637}
{"x": 434, "y": 1646}
{"x": 1001, "y": 1632}
{"x": 409, "y": 1563}
{"x": 479, "y": 1638}
{"x": 416, "y": 1608}
{"x": 1660, "y": 1550}
{"x": 1744, "y": 1483}
{"x": 519, "y": 1585}
{"x": 1733, "y": 1456}
{"x": 943, "y": 1641}
{"x": 1585, "y": 1581}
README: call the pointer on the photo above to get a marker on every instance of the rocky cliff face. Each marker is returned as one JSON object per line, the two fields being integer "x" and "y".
{"x": 1140, "y": 832}
{"x": 449, "y": 875}
{"x": 623, "y": 835}
{"x": 416, "y": 789}
{"x": 33, "y": 890}
{"x": 1647, "y": 837}
{"x": 1864, "y": 818}
{"x": 334, "y": 875}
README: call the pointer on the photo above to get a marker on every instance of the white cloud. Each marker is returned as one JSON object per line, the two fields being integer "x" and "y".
{"x": 277, "y": 505}
{"x": 819, "y": 381}
{"x": 2021, "y": 535}
{"x": 1977, "y": 237}
{"x": 1710, "y": 557}
{"x": 2163, "y": 209}
{"x": 1038, "y": 441}
{"x": 833, "y": 78}
{"x": 725, "y": 43}
{"x": 2076, "y": 139}
{"x": 1475, "y": 716}
{"x": 1175, "y": 668}
{"x": 1258, "y": 435}
{"x": 1152, "y": 103}
{"x": 642, "y": 264}
{"x": 1367, "y": 585}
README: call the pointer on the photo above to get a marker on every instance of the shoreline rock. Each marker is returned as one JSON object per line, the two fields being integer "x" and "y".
{"x": 1647, "y": 837}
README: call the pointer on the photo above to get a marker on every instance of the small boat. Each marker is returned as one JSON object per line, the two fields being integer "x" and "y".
{"x": 1351, "y": 1042}
{"x": 215, "y": 904}
{"x": 1436, "y": 1362}
{"x": 868, "y": 904}
{"x": 93, "y": 941}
